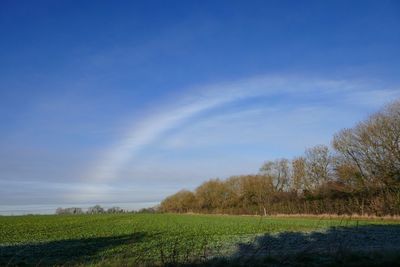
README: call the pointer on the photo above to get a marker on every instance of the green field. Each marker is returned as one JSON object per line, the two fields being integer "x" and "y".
{"x": 130, "y": 239}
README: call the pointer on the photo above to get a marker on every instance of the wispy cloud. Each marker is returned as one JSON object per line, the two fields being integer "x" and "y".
{"x": 153, "y": 126}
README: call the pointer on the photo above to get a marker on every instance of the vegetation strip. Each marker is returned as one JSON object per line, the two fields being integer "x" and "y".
{"x": 171, "y": 238}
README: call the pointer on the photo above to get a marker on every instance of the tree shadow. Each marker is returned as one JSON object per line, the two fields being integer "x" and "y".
{"x": 63, "y": 252}
{"x": 361, "y": 238}
{"x": 372, "y": 245}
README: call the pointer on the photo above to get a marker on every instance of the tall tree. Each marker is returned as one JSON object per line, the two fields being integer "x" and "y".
{"x": 374, "y": 146}
{"x": 299, "y": 181}
{"x": 318, "y": 161}
{"x": 279, "y": 171}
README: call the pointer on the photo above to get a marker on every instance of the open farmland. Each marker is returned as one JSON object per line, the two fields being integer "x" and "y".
{"x": 159, "y": 239}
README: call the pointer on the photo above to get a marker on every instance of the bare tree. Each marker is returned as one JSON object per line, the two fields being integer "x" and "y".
{"x": 257, "y": 191}
{"x": 279, "y": 171}
{"x": 182, "y": 201}
{"x": 115, "y": 210}
{"x": 72, "y": 210}
{"x": 95, "y": 210}
{"x": 374, "y": 146}
{"x": 318, "y": 163}
{"x": 299, "y": 181}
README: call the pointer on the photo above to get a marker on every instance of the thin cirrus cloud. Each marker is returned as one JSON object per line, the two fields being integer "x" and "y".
{"x": 224, "y": 107}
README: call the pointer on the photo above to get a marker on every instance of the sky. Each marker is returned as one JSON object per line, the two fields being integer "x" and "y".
{"x": 127, "y": 102}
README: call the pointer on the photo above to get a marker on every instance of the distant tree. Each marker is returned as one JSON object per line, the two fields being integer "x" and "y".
{"x": 59, "y": 211}
{"x": 72, "y": 210}
{"x": 115, "y": 210}
{"x": 97, "y": 209}
{"x": 148, "y": 210}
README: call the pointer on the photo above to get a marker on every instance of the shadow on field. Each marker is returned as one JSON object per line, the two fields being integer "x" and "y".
{"x": 62, "y": 252}
{"x": 372, "y": 245}
{"x": 361, "y": 238}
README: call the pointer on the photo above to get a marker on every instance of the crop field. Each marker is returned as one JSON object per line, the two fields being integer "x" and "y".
{"x": 168, "y": 239}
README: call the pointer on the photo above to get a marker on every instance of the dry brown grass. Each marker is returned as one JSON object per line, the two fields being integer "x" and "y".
{"x": 302, "y": 215}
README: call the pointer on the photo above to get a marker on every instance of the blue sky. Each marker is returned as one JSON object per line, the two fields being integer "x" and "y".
{"x": 129, "y": 101}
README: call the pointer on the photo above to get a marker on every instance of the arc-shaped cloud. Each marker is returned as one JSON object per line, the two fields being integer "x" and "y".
{"x": 152, "y": 127}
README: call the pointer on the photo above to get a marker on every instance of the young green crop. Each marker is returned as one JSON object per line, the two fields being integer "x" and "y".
{"x": 144, "y": 238}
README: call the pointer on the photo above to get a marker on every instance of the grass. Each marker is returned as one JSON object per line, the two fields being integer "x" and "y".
{"x": 150, "y": 239}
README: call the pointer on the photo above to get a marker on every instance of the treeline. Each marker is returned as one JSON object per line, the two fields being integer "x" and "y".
{"x": 97, "y": 209}
{"x": 358, "y": 174}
